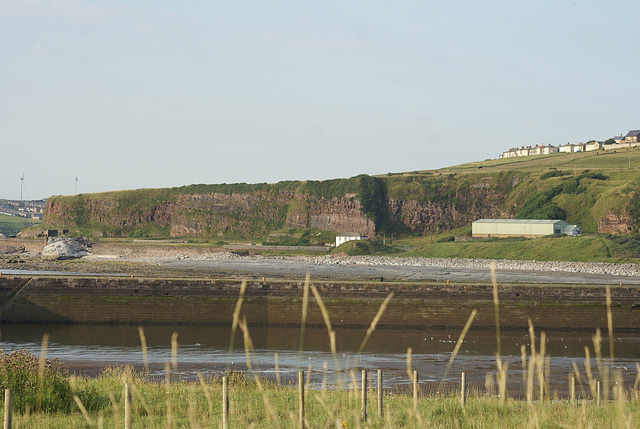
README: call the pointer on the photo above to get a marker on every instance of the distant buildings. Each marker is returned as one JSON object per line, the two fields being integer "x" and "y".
{"x": 26, "y": 209}
{"x": 632, "y": 139}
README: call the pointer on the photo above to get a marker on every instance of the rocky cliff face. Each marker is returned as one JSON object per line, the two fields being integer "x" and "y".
{"x": 335, "y": 214}
{"x": 252, "y": 214}
{"x": 614, "y": 223}
{"x": 450, "y": 203}
{"x": 423, "y": 203}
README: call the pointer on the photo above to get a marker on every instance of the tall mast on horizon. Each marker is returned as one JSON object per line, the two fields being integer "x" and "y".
{"x": 21, "y": 184}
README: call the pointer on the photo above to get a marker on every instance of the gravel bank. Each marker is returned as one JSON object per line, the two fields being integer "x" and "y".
{"x": 386, "y": 261}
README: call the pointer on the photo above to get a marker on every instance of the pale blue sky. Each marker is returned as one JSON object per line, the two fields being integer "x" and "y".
{"x": 164, "y": 93}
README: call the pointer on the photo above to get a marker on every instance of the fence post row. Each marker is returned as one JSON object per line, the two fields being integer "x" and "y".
{"x": 379, "y": 393}
{"x": 572, "y": 390}
{"x": 364, "y": 395}
{"x": 7, "y": 409}
{"x": 225, "y": 402}
{"x": 127, "y": 406}
{"x": 301, "y": 399}
{"x": 415, "y": 390}
{"x": 463, "y": 388}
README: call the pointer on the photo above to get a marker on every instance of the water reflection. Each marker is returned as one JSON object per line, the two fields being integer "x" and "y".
{"x": 205, "y": 349}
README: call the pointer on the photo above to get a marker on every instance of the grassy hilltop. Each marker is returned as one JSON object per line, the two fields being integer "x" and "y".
{"x": 422, "y": 210}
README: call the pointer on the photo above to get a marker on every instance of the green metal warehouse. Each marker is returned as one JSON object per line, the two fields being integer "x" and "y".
{"x": 521, "y": 228}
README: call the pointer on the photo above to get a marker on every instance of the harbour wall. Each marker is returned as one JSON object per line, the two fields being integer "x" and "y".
{"x": 139, "y": 301}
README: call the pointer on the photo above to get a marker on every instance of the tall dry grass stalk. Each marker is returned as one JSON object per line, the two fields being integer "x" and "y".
{"x": 332, "y": 334}
{"x": 587, "y": 367}
{"x": 207, "y": 393}
{"x": 143, "y": 343}
{"x": 502, "y": 373}
{"x": 248, "y": 349}
{"x": 41, "y": 363}
{"x": 78, "y": 402}
{"x": 83, "y": 410}
{"x": 236, "y": 319}
{"x": 456, "y": 349}
{"x": 375, "y": 321}
{"x": 523, "y": 358}
{"x": 409, "y": 369}
{"x": 532, "y": 361}
{"x": 609, "y": 371}
{"x": 502, "y": 380}
{"x": 174, "y": 352}
{"x": 579, "y": 380}
{"x": 305, "y": 307}
{"x": 277, "y": 367}
{"x": 603, "y": 370}
{"x": 540, "y": 365}
{"x": 609, "y": 321}
{"x": 496, "y": 306}
{"x": 135, "y": 391}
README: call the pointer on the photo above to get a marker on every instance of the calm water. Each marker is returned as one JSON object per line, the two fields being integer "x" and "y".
{"x": 206, "y": 349}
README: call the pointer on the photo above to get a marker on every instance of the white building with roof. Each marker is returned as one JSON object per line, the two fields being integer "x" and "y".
{"x": 348, "y": 236}
{"x": 532, "y": 228}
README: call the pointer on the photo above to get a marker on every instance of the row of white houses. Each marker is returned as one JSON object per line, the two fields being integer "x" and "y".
{"x": 630, "y": 140}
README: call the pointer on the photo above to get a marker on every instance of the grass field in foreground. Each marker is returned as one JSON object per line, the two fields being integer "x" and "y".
{"x": 252, "y": 404}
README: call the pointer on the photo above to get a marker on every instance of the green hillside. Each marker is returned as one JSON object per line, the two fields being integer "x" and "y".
{"x": 11, "y": 225}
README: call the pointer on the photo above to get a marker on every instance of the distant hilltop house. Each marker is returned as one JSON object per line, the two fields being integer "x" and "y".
{"x": 532, "y": 228}
{"x": 348, "y": 236}
{"x": 529, "y": 151}
{"x": 632, "y": 139}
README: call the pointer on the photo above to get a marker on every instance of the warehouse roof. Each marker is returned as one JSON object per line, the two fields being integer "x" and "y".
{"x": 538, "y": 221}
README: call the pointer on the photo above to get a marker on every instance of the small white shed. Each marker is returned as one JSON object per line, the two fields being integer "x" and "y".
{"x": 348, "y": 236}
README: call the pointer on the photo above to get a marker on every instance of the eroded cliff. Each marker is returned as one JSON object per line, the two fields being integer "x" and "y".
{"x": 421, "y": 203}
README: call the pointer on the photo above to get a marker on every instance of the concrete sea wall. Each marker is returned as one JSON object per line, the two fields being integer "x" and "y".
{"x": 278, "y": 303}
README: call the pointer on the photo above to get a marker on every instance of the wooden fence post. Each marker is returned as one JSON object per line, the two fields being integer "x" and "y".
{"x": 7, "y": 409}
{"x": 127, "y": 406}
{"x": 415, "y": 390}
{"x": 301, "y": 399}
{"x": 463, "y": 388}
{"x": 379, "y": 393}
{"x": 225, "y": 402}
{"x": 572, "y": 390}
{"x": 364, "y": 395}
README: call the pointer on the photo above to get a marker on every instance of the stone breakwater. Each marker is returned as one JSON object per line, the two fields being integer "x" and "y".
{"x": 125, "y": 300}
{"x": 445, "y": 263}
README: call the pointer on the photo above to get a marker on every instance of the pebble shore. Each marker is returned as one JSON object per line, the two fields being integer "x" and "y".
{"x": 446, "y": 263}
